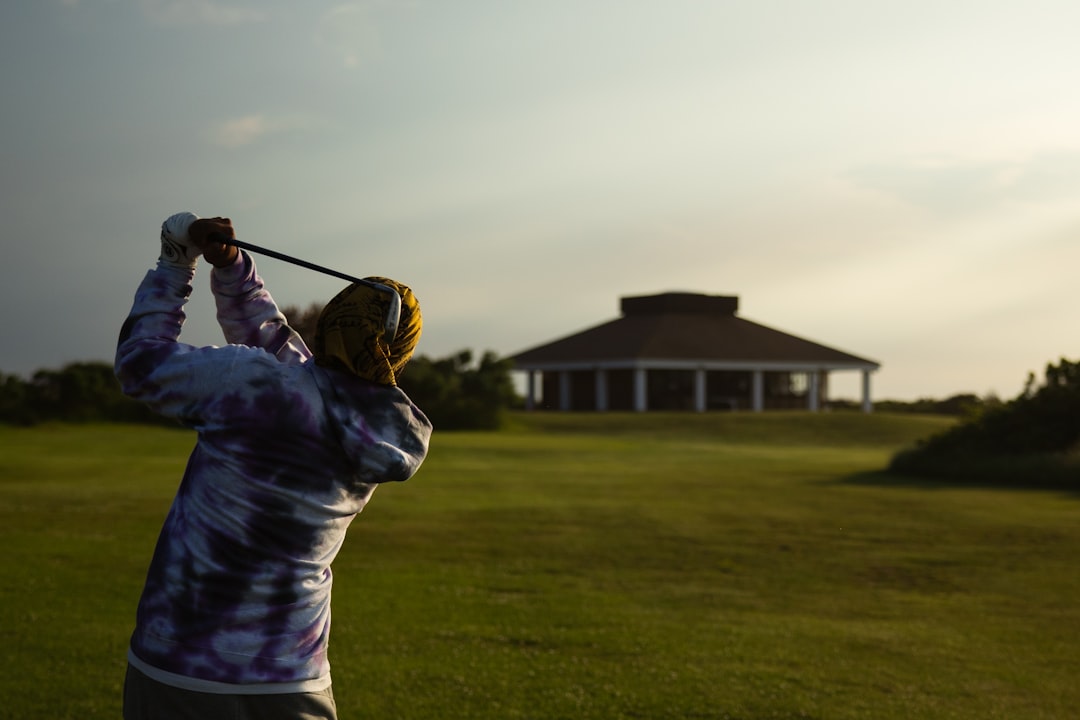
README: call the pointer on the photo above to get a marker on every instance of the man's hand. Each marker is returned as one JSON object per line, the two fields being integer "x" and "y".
{"x": 176, "y": 246}
{"x": 206, "y": 235}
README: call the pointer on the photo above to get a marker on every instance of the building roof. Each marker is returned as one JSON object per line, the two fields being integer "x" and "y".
{"x": 685, "y": 328}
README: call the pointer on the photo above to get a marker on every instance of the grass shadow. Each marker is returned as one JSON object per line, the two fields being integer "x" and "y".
{"x": 968, "y": 478}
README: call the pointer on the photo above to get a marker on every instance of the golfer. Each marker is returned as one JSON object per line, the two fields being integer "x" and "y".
{"x": 234, "y": 617}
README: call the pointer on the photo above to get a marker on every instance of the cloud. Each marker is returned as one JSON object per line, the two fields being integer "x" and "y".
{"x": 952, "y": 186}
{"x": 249, "y": 129}
{"x": 240, "y": 131}
{"x": 198, "y": 12}
{"x": 348, "y": 32}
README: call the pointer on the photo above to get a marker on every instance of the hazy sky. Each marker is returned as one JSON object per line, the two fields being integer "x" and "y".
{"x": 899, "y": 180}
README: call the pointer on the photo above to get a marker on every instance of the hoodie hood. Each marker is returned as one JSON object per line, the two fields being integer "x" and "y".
{"x": 382, "y": 433}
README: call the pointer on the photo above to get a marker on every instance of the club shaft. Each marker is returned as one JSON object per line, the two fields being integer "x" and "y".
{"x": 393, "y": 312}
{"x": 295, "y": 261}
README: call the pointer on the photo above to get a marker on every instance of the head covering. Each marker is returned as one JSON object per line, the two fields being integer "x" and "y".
{"x": 349, "y": 334}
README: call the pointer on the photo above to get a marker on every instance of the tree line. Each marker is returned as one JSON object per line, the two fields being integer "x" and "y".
{"x": 78, "y": 392}
{"x": 455, "y": 392}
{"x": 460, "y": 392}
{"x": 961, "y": 404}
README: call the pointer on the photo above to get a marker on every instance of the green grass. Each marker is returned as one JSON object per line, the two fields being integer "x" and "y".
{"x": 582, "y": 566}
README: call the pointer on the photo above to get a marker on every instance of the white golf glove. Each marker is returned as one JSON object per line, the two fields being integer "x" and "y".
{"x": 176, "y": 248}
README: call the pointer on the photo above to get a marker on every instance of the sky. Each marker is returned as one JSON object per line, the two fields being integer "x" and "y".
{"x": 897, "y": 180}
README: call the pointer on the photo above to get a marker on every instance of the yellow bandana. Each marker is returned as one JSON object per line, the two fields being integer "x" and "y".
{"x": 349, "y": 334}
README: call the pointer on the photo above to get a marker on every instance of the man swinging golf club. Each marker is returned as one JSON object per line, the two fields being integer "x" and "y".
{"x": 234, "y": 617}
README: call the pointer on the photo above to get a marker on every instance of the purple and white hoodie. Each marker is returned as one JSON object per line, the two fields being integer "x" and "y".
{"x": 237, "y": 596}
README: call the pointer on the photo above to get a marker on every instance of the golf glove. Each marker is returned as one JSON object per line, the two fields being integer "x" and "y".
{"x": 176, "y": 247}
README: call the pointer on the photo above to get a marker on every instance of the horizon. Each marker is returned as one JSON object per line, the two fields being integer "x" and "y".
{"x": 894, "y": 181}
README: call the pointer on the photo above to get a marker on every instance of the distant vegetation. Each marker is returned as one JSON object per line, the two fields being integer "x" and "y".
{"x": 454, "y": 392}
{"x": 962, "y": 404}
{"x": 78, "y": 392}
{"x": 457, "y": 392}
{"x": 1031, "y": 440}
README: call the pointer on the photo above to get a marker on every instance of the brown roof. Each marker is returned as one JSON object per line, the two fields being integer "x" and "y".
{"x": 684, "y": 327}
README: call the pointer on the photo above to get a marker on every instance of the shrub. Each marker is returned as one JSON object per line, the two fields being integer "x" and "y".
{"x": 1032, "y": 438}
{"x": 455, "y": 395}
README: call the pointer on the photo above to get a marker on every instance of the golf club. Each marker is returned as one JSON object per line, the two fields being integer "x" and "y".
{"x": 393, "y": 314}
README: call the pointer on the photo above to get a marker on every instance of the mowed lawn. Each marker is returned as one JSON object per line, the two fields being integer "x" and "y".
{"x": 594, "y": 566}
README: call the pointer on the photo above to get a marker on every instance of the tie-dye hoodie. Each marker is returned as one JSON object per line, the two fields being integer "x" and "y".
{"x": 237, "y": 596}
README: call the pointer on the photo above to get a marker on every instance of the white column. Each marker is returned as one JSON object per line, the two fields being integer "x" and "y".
{"x": 601, "y": 390}
{"x": 564, "y": 390}
{"x": 812, "y": 403}
{"x": 530, "y": 390}
{"x": 699, "y": 390}
{"x": 867, "y": 405}
{"x": 641, "y": 390}
{"x": 759, "y": 390}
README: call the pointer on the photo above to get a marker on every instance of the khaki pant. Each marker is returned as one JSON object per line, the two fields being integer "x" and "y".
{"x": 147, "y": 699}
